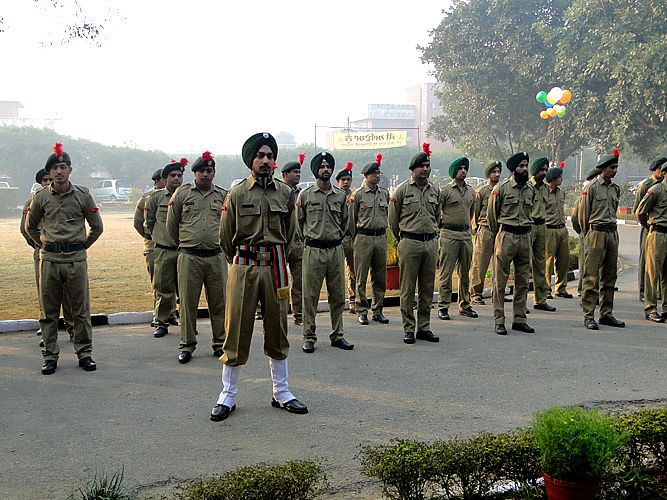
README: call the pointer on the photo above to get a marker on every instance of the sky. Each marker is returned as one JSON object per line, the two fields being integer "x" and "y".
{"x": 187, "y": 76}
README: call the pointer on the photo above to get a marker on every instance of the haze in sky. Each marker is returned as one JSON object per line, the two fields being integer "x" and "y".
{"x": 203, "y": 74}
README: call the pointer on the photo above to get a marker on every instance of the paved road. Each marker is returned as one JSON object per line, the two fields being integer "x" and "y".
{"x": 143, "y": 411}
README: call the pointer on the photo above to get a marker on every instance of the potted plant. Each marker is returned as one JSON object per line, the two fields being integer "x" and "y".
{"x": 392, "y": 262}
{"x": 576, "y": 447}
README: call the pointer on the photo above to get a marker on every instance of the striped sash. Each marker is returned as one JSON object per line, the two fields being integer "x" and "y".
{"x": 278, "y": 262}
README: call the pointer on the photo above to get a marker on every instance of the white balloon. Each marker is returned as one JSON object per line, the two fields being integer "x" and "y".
{"x": 557, "y": 93}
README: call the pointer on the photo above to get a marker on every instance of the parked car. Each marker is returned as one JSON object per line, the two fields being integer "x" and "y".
{"x": 473, "y": 182}
{"x": 112, "y": 190}
{"x": 4, "y": 185}
{"x": 305, "y": 185}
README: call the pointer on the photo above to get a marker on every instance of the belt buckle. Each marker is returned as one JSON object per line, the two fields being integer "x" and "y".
{"x": 263, "y": 255}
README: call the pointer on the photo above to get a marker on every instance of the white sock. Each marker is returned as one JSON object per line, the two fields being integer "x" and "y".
{"x": 281, "y": 392}
{"x": 230, "y": 378}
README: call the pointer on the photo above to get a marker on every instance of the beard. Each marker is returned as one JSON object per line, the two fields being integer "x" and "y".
{"x": 521, "y": 178}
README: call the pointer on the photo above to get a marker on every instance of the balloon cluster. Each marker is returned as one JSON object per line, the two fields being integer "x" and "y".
{"x": 554, "y": 100}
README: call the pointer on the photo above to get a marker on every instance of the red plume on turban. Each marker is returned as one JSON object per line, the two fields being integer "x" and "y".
{"x": 302, "y": 157}
{"x": 426, "y": 148}
{"x": 561, "y": 164}
{"x": 206, "y": 155}
{"x": 58, "y": 149}
{"x": 616, "y": 152}
{"x": 184, "y": 161}
{"x": 378, "y": 159}
{"x": 349, "y": 166}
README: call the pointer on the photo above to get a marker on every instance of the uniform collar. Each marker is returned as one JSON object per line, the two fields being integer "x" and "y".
{"x": 414, "y": 183}
{"x": 58, "y": 193}
{"x": 252, "y": 181}
{"x": 454, "y": 184}
{"x": 368, "y": 189}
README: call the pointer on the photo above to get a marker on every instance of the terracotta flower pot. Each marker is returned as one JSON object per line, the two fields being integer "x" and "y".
{"x": 567, "y": 490}
{"x": 392, "y": 278}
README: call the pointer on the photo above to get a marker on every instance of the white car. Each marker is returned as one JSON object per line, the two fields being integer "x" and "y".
{"x": 4, "y": 185}
{"x": 473, "y": 182}
{"x": 112, "y": 190}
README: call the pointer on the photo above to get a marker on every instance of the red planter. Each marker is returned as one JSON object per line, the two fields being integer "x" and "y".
{"x": 567, "y": 490}
{"x": 392, "y": 278}
{"x": 624, "y": 210}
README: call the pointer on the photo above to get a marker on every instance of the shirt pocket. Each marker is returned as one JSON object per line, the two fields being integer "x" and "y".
{"x": 335, "y": 210}
{"x": 278, "y": 213}
{"x": 216, "y": 209}
{"x": 249, "y": 210}
{"x": 161, "y": 213}
{"x": 410, "y": 205}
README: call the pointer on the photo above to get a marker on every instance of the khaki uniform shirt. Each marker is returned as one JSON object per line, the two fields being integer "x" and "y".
{"x": 61, "y": 218}
{"x": 643, "y": 187}
{"x": 157, "y": 207}
{"x": 24, "y": 229}
{"x": 599, "y": 202}
{"x": 510, "y": 204}
{"x": 255, "y": 216}
{"x": 193, "y": 218}
{"x": 555, "y": 206}
{"x": 653, "y": 206}
{"x": 482, "y": 195}
{"x": 539, "y": 200}
{"x": 414, "y": 209}
{"x": 140, "y": 219}
{"x": 457, "y": 206}
{"x": 368, "y": 209}
{"x": 322, "y": 216}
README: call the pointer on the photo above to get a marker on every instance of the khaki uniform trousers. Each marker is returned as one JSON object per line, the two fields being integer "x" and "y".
{"x": 416, "y": 265}
{"x": 558, "y": 257}
{"x": 320, "y": 264}
{"x": 58, "y": 280}
{"x": 511, "y": 248}
{"x": 454, "y": 254}
{"x": 295, "y": 263}
{"x": 538, "y": 262}
{"x": 481, "y": 258}
{"x": 193, "y": 273}
{"x": 656, "y": 272}
{"x": 370, "y": 254}
{"x": 150, "y": 267}
{"x": 601, "y": 262}
{"x": 67, "y": 315}
{"x": 641, "y": 267}
{"x": 348, "y": 249}
{"x": 164, "y": 284}
{"x": 246, "y": 286}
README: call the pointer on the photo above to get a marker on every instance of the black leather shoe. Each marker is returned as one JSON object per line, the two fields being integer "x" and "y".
{"x": 292, "y": 406}
{"x": 664, "y": 315}
{"x": 160, "y": 331}
{"x": 544, "y": 307}
{"x": 39, "y": 332}
{"x": 258, "y": 315}
{"x": 655, "y": 316}
{"x": 591, "y": 324}
{"x": 341, "y": 343}
{"x": 172, "y": 320}
{"x": 41, "y": 344}
{"x": 523, "y": 327}
{"x": 184, "y": 357}
{"x": 478, "y": 302}
{"x": 298, "y": 321}
{"x": 409, "y": 338}
{"x": 353, "y": 310}
{"x": 49, "y": 367}
{"x": 549, "y": 296}
{"x": 308, "y": 346}
{"x": 427, "y": 335}
{"x": 221, "y": 412}
{"x": 88, "y": 364}
{"x": 469, "y": 312}
{"x": 217, "y": 353}
{"x": 507, "y": 299}
{"x": 380, "y": 318}
{"x": 500, "y": 330}
{"x": 443, "y": 314}
{"x": 565, "y": 295}
{"x": 363, "y": 319}
{"x": 611, "y": 321}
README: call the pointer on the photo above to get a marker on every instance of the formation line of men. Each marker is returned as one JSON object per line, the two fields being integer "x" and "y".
{"x": 265, "y": 242}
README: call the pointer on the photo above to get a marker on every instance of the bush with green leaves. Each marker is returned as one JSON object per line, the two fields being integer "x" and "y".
{"x": 575, "y": 444}
{"x": 646, "y": 443}
{"x": 102, "y": 487}
{"x": 293, "y": 480}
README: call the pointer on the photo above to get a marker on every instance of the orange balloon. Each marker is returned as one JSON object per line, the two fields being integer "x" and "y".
{"x": 567, "y": 96}
{"x": 551, "y": 112}
{"x": 544, "y": 115}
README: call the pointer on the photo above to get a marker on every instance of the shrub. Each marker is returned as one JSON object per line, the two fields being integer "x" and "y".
{"x": 392, "y": 249}
{"x": 103, "y": 488}
{"x": 404, "y": 468}
{"x": 294, "y": 480}
{"x": 575, "y": 444}
{"x": 646, "y": 444}
{"x": 519, "y": 461}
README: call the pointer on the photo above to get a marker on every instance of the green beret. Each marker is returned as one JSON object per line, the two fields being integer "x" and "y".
{"x": 157, "y": 175}
{"x": 318, "y": 159}
{"x": 252, "y": 145}
{"x": 656, "y": 162}
{"x": 538, "y": 164}
{"x": 607, "y": 160}
{"x": 514, "y": 160}
{"x": 58, "y": 156}
{"x": 553, "y": 173}
{"x": 291, "y": 165}
{"x": 203, "y": 161}
{"x": 40, "y": 175}
{"x": 592, "y": 174}
{"x": 457, "y": 164}
{"x": 492, "y": 166}
{"x": 369, "y": 168}
{"x": 417, "y": 160}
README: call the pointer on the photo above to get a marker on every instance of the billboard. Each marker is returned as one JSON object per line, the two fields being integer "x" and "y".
{"x": 392, "y": 111}
{"x": 370, "y": 139}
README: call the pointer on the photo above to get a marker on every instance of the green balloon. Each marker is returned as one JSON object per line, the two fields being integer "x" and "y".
{"x": 541, "y": 96}
{"x": 561, "y": 112}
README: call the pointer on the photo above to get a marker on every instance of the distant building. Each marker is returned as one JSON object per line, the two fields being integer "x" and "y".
{"x": 10, "y": 109}
{"x": 427, "y": 105}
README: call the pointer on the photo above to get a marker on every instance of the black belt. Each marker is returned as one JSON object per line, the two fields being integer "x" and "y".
{"x": 418, "y": 236}
{"x": 200, "y": 253}
{"x": 63, "y": 247}
{"x": 164, "y": 247}
{"x": 555, "y": 226}
{"x": 515, "y": 229}
{"x": 538, "y": 221}
{"x": 455, "y": 227}
{"x": 323, "y": 243}
{"x": 659, "y": 229}
{"x": 604, "y": 228}
{"x": 371, "y": 232}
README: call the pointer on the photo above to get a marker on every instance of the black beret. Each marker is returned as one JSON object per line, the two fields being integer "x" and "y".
{"x": 553, "y": 173}
{"x": 318, "y": 159}
{"x": 157, "y": 175}
{"x": 607, "y": 160}
{"x": 253, "y": 143}
{"x": 538, "y": 164}
{"x": 592, "y": 174}
{"x": 492, "y": 166}
{"x": 514, "y": 160}
{"x": 205, "y": 160}
{"x": 40, "y": 175}
{"x": 289, "y": 166}
{"x": 369, "y": 168}
{"x": 457, "y": 164}
{"x": 656, "y": 162}
{"x": 58, "y": 156}
{"x": 174, "y": 165}
{"x": 417, "y": 160}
